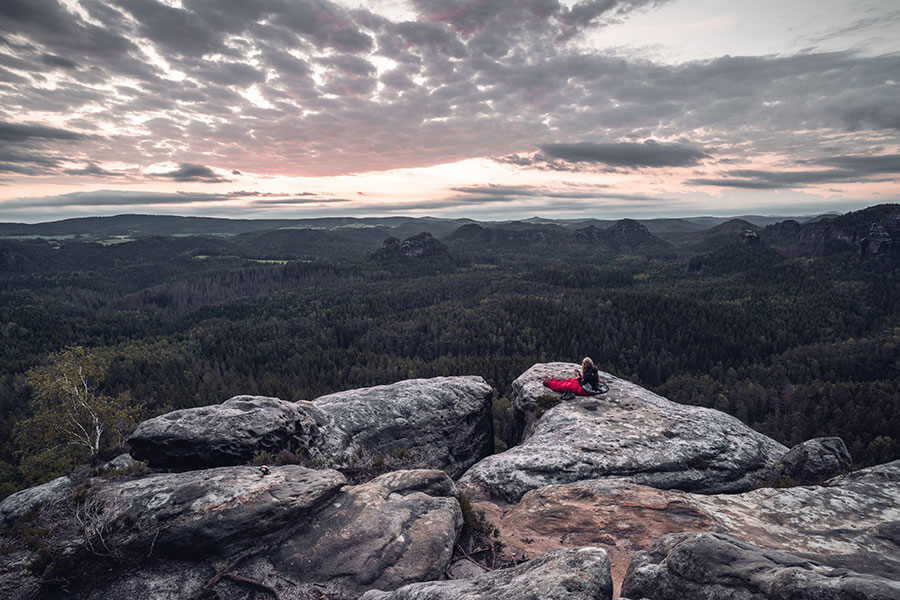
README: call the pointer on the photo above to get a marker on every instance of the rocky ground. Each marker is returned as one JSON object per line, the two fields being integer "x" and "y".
{"x": 623, "y": 493}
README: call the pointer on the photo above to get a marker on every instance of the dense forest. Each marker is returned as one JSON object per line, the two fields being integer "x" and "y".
{"x": 792, "y": 327}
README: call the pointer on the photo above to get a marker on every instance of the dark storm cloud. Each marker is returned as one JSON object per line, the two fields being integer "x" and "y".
{"x": 627, "y": 154}
{"x": 190, "y": 172}
{"x": 846, "y": 168}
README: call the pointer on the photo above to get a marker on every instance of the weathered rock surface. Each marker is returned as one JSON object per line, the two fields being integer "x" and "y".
{"x": 630, "y": 432}
{"x": 445, "y": 421}
{"x": 123, "y": 462}
{"x": 396, "y": 529}
{"x": 851, "y": 523}
{"x": 212, "y": 512}
{"x": 816, "y": 460}
{"x": 719, "y": 567}
{"x": 621, "y": 517}
{"x": 224, "y": 434}
{"x": 561, "y": 574}
{"x": 15, "y": 505}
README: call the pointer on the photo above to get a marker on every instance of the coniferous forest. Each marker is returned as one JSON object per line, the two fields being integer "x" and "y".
{"x": 792, "y": 327}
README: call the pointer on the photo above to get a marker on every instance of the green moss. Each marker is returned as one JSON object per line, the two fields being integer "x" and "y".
{"x": 547, "y": 401}
{"x": 475, "y": 520}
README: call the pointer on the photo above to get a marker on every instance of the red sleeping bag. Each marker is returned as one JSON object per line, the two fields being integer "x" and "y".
{"x": 565, "y": 385}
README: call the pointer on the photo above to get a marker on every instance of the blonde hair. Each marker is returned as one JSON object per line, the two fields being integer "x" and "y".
{"x": 585, "y": 364}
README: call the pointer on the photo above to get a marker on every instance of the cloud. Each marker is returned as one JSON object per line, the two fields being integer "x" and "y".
{"x": 58, "y": 61}
{"x": 846, "y": 169}
{"x": 190, "y": 172}
{"x": 94, "y": 170}
{"x": 298, "y": 201}
{"x": 112, "y": 198}
{"x": 627, "y": 154}
{"x": 21, "y": 132}
{"x": 501, "y": 193}
{"x": 591, "y": 191}
{"x": 312, "y": 88}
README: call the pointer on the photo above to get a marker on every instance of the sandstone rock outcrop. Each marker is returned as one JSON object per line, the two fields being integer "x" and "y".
{"x": 396, "y": 529}
{"x": 441, "y": 423}
{"x": 719, "y": 567}
{"x": 621, "y": 517}
{"x": 295, "y": 530}
{"x": 816, "y": 460}
{"x": 850, "y": 523}
{"x": 224, "y": 434}
{"x": 211, "y": 512}
{"x": 444, "y": 421}
{"x": 629, "y": 432}
{"x": 15, "y": 505}
{"x": 561, "y": 574}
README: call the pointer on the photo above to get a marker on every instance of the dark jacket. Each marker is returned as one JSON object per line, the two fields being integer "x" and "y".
{"x": 591, "y": 378}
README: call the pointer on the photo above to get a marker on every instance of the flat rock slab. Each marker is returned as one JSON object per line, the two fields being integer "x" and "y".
{"x": 224, "y": 434}
{"x": 396, "y": 529}
{"x": 850, "y": 523}
{"x": 445, "y": 421}
{"x": 719, "y": 567}
{"x": 631, "y": 432}
{"x": 561, "y": 574}
{"x": 199, "y": 514}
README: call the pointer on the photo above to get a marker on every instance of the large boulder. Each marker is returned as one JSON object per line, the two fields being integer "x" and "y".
{"x": 16, "y": 505}
{"x": 212, "y": 512}
{"x": 231, "y": 530}
{"x": 396, "y": 529}
{"x": 445, "y": 422}
{"x": 816, "y": 460}
{"x": 719, "y": 567}
{"x": 561, "y": 574}
{"x": 850, "y": 523}
{"x": 629, "y": 432}
{"x": 225, "y": 434}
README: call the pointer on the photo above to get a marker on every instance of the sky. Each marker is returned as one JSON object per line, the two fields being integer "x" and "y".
{"x": 489, "y": 109}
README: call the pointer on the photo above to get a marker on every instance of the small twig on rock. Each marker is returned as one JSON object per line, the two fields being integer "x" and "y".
{"x": 470, "y": 559}
{"x": 282, "y": 577}
{"x": 153, "y": 543}
{"x": 207, "y": 587}
{"x": 254, "y": 583}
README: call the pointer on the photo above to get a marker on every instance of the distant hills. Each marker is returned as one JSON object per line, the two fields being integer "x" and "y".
{"x": 150, "y": 225}
{"x": 873, "y": 232}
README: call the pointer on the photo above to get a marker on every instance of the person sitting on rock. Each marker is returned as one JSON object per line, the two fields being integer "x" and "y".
{"x": 588, "y": 376}
{"x": 585, "y": 383}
